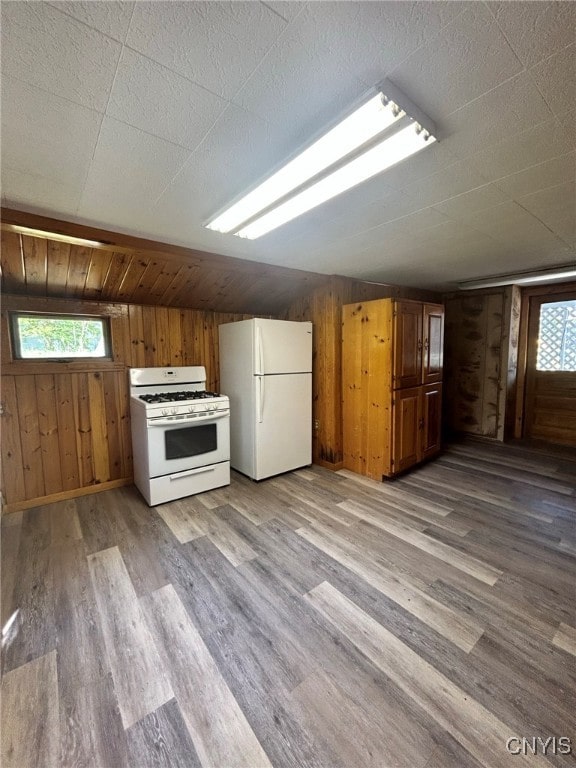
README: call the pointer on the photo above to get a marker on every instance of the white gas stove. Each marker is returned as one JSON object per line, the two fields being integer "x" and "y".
{"x": 180, "y": 433}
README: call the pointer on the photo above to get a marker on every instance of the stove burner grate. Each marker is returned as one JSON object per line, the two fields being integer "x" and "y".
{"x": 171, "y": 397}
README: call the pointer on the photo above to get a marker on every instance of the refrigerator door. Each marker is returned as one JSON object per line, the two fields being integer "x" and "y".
{"x": 282, "y": 346}
{"x": 283, "y": 423}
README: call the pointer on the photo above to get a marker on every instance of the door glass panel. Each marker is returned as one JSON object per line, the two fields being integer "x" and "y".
{"x": 190, "y": 441}
{"x": 557, "y": 337}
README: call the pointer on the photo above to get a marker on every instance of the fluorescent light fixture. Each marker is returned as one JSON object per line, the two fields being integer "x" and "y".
{"x": 389, "y": 152}
{"x": 522, "y": 278}
{"x": 50, "y": 235}
{"x": 386, "y": 129}
{"x": 361, "y": 126}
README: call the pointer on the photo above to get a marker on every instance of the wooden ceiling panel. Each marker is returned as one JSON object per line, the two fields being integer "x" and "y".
{"x": 58, "y": 263}
{"x": 78, "y": 269}
{"x": 35, "y": 255}
{"x": 99, "y": 266}
{"x": 13, "y": 274}
{"x": 132, "y": 270}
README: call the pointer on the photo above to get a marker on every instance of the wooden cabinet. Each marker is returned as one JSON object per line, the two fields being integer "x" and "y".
{"x": 432, "y": 343}
{"x": 391, "y": 384}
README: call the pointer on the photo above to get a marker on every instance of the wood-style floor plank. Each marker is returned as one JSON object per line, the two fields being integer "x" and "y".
{"x": 30, "y": 733}
{"x": 161, "y": 740}
{"x": 383, "y": 734}
{"x": 457, "y": 628}
{"x": 471, "y": 724}
{"x": 91, "y": 730}
{"x": 181, "y": 635}
{"x": 181, "y": 519}
{"x": 565, "y": 638}
{"x": 33, "y": 594}
{"x": 232, "y": 546}
{"x": 139, "y": 673}
{"x": 9, "y": 545}
{"x": 220, "y": 732}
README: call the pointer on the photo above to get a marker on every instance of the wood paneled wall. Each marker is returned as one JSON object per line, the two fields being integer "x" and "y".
{"x": 481, "y": 353}
{"x": 66, "y": 426}
{"x": 323, "y": 307}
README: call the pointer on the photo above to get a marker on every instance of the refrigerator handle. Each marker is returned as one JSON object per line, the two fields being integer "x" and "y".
{"x": 259, "y": 352}
{"x": 260, "y": 399}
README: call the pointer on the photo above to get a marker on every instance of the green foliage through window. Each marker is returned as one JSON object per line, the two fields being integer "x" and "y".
{"x": 56, "y": 336}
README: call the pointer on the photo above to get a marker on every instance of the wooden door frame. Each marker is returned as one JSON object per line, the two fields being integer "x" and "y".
{"x": 542, "y": 292}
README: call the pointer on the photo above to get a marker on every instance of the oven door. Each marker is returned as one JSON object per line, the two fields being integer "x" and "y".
{"x": 175, "y": 445}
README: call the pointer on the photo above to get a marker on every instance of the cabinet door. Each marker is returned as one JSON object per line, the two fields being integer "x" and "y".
{"x": 433, "y": 343}
{"x": 407, "y": 344}
{"x": 407, "y": 417}
{"x": 431, "y": 432}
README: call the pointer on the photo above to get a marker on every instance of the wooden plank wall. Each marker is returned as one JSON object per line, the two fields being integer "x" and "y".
{"x": 323, "y": 307}
{"x": 66, "y": 426}
{"x": 481, "y": 351}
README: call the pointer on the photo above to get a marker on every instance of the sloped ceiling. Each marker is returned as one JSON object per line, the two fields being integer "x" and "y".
{"x": 148, "y": 117}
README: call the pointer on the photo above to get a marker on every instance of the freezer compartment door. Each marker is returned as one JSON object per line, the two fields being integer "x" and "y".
{"x": 282, "y": 346}
{"x": 283, "y": 423}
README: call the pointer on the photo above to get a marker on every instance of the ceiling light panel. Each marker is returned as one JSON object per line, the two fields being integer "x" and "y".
{"x": 385, "y": 130}
{"x": 523, "y": 278}
{"x": 393, "y": 150}
{"x": 365, "y": 123}
{"x": 51, "y": 235}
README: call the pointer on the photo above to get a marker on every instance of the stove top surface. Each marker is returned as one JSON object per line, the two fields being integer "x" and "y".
{"x": 171, "y": 397}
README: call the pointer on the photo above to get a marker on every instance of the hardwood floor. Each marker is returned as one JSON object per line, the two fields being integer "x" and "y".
{"x": 314, "y": 620}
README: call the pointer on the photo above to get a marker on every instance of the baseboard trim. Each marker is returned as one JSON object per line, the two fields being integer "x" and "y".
{"x": 18, "y": 506}
{"x": 329, "y": 465}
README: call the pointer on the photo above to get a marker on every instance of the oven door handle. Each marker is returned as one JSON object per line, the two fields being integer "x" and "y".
{"x": 187, "y": 420}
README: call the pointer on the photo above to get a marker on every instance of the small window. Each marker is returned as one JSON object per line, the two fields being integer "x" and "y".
{"x": 557, "y": 337}
{"x": 59, "y": 337}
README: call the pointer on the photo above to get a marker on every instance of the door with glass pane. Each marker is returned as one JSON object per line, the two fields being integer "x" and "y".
{"x": 550, "y": 404}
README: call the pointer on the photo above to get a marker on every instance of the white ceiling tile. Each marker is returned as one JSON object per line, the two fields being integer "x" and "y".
{"x": 510, "y": 223}
{"x": 507, "y": 110}
{"x": 555, "y": 207}
{"x": 432, "y": 159}
{"x": 301, "y": 88}
{"x": 371, "y": 38}
{"x": 161, "y": 102}
{"x": 451, "y": 181}
{"x": 129, "y": 170}
{"x": 43, "y": 135}
{"x": 39, "y": 192}
{"x": 236, "y": 153}
{"x": 46, "y": 48}
{"x": 473, "y": 201}
{"x": 531, "y": 147}
{"x": 468, "y": 58}
{"x": 556, "y": 79}
{"x": 287, "y": 9}
{"x": 380, "y": 237}
{"x": 343, "y": 217}
{"x": 216, "y": 45}
{"x": 549, "y": 174}
{"x": 110, "y": 17}
{"x": 536, "y": 30}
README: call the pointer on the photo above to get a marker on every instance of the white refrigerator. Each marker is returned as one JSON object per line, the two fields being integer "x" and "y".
{"x": 266, "y": 371}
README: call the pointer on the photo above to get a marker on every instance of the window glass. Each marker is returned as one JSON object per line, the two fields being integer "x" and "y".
{"x": 557, "y": 337}
{"x": 37, "y": 336}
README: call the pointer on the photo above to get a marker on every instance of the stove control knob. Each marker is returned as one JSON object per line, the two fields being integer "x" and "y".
{"x": 174, "y": 411}
{"x": 191, "y": 409}
{"x": 165, "y": 411}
